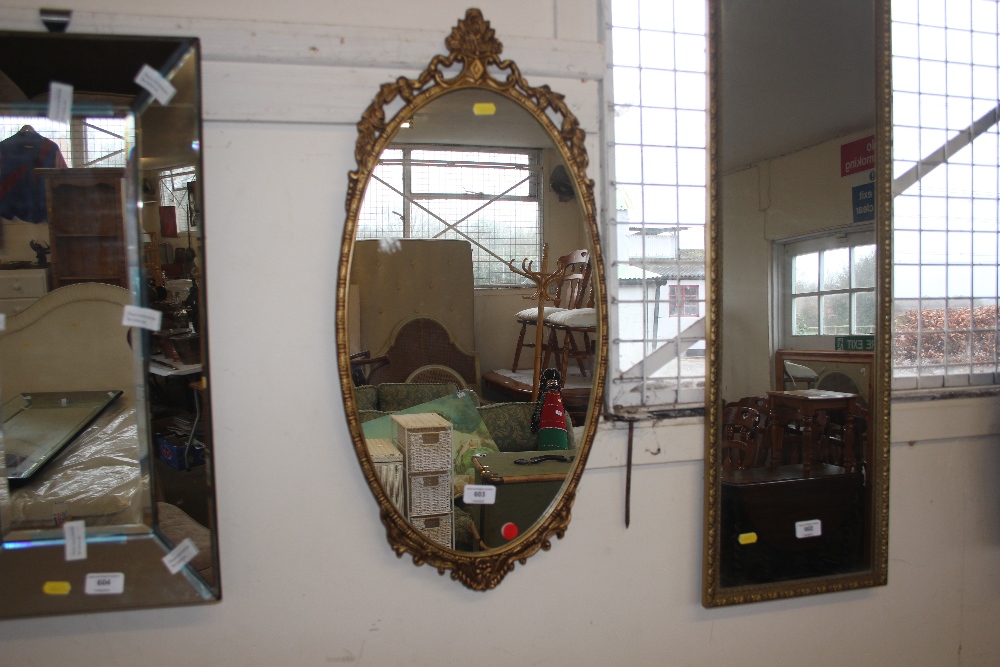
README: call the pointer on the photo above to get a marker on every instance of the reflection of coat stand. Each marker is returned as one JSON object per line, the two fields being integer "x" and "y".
{"x": 542, "y": 280}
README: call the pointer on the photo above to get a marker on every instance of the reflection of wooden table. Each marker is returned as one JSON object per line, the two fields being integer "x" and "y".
{"x": 811, "y": 403}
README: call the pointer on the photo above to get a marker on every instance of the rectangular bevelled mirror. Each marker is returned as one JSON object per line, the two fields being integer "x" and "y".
{"x": 107, "y": 500}
{"x": 797, "y": 436}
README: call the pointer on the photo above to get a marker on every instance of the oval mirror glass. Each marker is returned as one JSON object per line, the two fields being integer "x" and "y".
{"x": 470, "y": 217}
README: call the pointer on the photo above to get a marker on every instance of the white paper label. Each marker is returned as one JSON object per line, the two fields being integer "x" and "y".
{"x": 60, "y": 101}
{"x": 180, "y": 556}
{"x": 480, "y": 494}
{"x": 105, "y": 583}
{"x": 144, "y": 318}
{"x": 811, "y": 528}
{"x": 75, "y": 533}
{"x": 156, "y": 84}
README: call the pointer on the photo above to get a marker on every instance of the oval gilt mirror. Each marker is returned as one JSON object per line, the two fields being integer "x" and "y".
{"x": 470, "y": 319}
{"x": 797, "y": 436}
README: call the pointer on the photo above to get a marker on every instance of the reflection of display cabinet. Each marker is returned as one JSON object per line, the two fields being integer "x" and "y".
{"x": 86, "y": 226}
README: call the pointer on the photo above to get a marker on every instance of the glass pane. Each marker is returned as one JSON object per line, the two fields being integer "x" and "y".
{"x": 863, "y": 266}
{"x": 836, "y": 315}
{"x": 806, "y": 271}
{"x": 836, "y": 274}
{"x": 864, "y": 313}
{"x": 805, "y": 316}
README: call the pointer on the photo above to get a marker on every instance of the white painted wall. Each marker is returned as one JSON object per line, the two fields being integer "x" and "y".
{"x": 307, "y": 575}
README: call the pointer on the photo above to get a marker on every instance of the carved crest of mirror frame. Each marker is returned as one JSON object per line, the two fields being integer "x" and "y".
{"x": 877, "y": 514}
{"x": 472, "y": 46}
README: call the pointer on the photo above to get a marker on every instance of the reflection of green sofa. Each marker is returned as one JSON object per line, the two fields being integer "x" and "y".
{"x": 509, "y": 423}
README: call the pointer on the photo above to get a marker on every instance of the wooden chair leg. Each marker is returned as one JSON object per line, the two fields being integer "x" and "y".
{"x": 520, "y": 344}
{"x": 552, "y": 347}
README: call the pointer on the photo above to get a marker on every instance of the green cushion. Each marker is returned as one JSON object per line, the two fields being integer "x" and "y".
{"x": 510, "y": 426}
{"x": 366, "y": 397}
{"x": 400, "y": 396}
{"x": 369, "y": 415}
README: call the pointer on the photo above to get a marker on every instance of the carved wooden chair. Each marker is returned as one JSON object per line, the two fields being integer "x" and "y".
{"x": 566, "y": 288}
{"x": 744, "y": 425}
{"x": 579, "y": 318}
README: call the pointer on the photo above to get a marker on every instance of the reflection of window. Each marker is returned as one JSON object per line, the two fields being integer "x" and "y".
{"x": 945, "y": 146}
{"x": 659, "y": 85}
{"x": 491, "y": 199}
{"x": 174, "y": 191}
{"x": 829, "y": 286}
{"x": 684, "y": 300}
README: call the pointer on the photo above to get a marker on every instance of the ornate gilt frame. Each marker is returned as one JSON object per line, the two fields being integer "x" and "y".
{"x": 473, "y": 45}
{"x": 878, "y": 513}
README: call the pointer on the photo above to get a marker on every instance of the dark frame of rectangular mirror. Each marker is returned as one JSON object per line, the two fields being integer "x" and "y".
{"x": 113, "y": 249}
{"x": 721, "y": 540}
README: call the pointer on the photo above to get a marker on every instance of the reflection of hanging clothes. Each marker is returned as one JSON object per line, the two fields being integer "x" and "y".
{"x": 22, "y": 193}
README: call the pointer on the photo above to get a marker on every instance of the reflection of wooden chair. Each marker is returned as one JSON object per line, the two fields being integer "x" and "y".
{"x": 568, "y": 290}
{"x": 744, "y": 425}
{"x": 736, "y": 454}
{"x": 579, "y": 318}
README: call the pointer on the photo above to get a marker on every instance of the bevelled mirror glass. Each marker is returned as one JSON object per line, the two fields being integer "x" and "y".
{"x": 471, "y": 318}
{"x": 107, "y": 498}
{"x": 797, "y": 434}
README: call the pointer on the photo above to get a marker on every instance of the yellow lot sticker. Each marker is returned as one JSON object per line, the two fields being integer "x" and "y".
{"x": 748, "y": 538}
{"x": 56, "y": 588}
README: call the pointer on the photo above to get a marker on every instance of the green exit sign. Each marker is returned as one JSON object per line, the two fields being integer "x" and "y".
{"x": 855, "y": 343}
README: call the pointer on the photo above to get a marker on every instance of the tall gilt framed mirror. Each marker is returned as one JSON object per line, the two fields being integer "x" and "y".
{"x": 471, "y": 325}
{"x": 797, "y": 435}
{"x": 106, "y": 500}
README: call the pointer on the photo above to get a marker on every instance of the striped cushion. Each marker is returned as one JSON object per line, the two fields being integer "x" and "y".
{"x": 531, "y": 314}
{"x": 578, "y": 317}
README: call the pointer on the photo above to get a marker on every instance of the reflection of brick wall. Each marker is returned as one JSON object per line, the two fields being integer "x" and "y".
{"x": 971, "y": 331}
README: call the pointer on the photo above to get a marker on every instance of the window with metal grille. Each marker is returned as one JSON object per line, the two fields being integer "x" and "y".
{"x": 83, "y": 142}
{"x": 488, "y": 197}
{"x": 945, "y": 153}
{"x": 658, "y": 53}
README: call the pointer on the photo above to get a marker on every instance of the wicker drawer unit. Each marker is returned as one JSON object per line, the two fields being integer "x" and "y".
{"x": 425, "y": 443}
{"x": 389, "y": 467}
{"x": 437, "y": 528}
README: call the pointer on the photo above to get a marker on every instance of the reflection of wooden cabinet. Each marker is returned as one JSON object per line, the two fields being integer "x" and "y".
{"x": 86, "y": 226}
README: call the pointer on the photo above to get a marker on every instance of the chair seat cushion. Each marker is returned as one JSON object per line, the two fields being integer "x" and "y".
{"x": 578, "y": 317}
{"x": 531, "y": 314}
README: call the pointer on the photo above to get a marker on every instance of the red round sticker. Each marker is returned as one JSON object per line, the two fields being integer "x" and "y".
{"x": 509, "y": 531}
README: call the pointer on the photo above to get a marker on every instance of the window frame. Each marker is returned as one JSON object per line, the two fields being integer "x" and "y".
{"x": 536, "y": 195}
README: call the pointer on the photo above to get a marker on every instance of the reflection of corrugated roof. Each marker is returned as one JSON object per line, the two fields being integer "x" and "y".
{"x": 690, "y": 266}
{"x": 629, "y": 272}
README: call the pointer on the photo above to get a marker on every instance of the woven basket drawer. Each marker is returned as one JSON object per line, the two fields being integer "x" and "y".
{"x": 430, "y": 494}
{"x": 426, "y": 452}
{"x": 436, "y": 528}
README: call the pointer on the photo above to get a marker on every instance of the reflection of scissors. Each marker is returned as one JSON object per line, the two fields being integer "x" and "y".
{"x": 544, "y": 457}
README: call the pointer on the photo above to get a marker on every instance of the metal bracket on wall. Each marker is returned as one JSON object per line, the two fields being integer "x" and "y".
{"x": 56, "y": 20}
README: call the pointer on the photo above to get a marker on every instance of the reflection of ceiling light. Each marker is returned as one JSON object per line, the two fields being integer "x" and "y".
{"x": 484, "y": 108}
{"x": 405, "y": 124}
